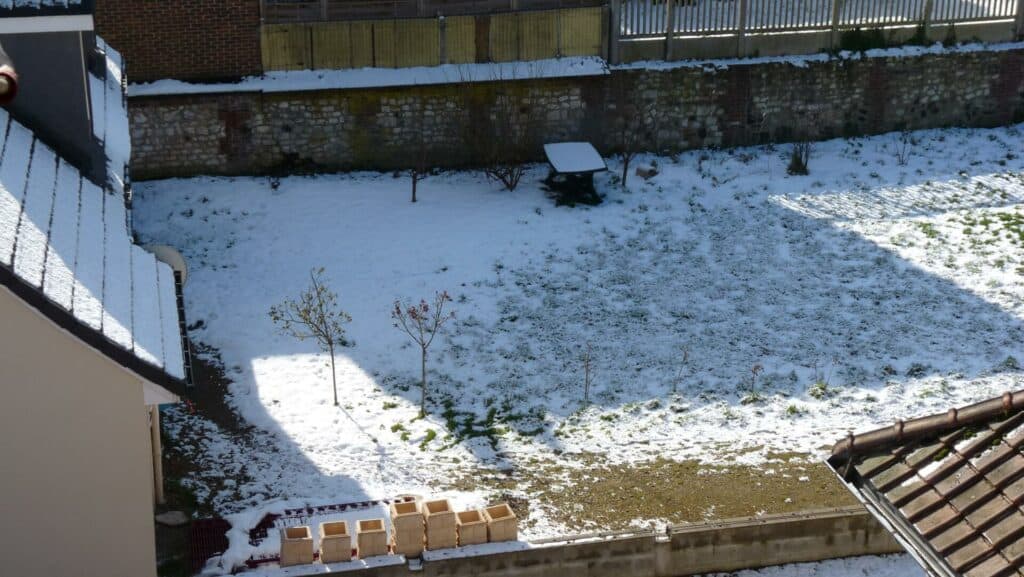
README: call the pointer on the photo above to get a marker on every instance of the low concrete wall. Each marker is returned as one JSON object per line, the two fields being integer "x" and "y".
{"x": 682, "y": 550}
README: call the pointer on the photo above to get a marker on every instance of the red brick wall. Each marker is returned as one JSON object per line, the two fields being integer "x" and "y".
{"x": 185, "y": 39}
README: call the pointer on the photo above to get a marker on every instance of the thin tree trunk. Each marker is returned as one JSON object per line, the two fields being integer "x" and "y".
{"x": 626, "y": 158}
{"x": 415, "y": 177}
{"x": 423, "y": 382}
{"x": 334, "y": 379}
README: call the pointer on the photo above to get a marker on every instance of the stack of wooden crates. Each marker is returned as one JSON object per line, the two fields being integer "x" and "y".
{"x": 440, "y": 518}
{"x": 407, "y": 528}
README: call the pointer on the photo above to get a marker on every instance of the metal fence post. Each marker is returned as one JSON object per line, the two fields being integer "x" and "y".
{"x": 615, "y": 7}
{"x": 741, "y": 31}
{"x": 670, "y": 26}
{"x": 837, "y": 11}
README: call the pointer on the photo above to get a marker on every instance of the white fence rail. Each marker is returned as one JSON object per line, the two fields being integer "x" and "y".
{"x": 653, "y": 18}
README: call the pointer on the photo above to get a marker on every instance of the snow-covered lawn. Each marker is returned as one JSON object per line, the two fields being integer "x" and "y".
{"x": 865, "y": 292}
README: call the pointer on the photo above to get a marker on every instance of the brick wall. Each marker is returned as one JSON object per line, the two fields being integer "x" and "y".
{"x": 204, "y": 40}
{"x": 693, "y": 107}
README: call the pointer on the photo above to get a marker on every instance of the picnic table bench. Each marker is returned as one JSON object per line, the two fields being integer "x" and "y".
{"x": 573, "y": 165}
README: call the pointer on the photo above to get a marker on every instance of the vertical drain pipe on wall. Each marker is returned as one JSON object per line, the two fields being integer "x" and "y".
{"x": 158, "y": 463}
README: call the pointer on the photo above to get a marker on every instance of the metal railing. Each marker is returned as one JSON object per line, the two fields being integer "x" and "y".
{"x": 289, "y": 11}
{"x": 654, "y": 18}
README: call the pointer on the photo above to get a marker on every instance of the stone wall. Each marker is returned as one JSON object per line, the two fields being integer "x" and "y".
{"x": 672, "y": 109}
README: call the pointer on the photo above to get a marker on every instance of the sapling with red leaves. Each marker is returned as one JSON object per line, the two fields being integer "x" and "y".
{"x": 314, "y": 315}
{"x": 422, "y": 322}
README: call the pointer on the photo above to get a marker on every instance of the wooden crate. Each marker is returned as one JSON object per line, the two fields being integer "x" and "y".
{"x": 471, "y": 527}
{"x": 408, "y": 529}
{"x": 335, "y": 542}
{"x": 296, "y": 546}
{"x": 440, "y": 520}
{"x": 502, "y": 524}
{"x": 371, "y": 537}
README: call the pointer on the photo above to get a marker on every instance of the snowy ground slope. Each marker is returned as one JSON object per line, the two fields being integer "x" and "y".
{"x": 865, "y": 292}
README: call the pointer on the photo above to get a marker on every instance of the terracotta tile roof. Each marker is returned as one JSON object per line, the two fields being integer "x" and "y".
{"x": 950, "y": 486}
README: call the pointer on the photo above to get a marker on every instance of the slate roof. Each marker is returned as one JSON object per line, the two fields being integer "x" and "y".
{"x": 66, "y": 245}
{"x": 949, "y": 486}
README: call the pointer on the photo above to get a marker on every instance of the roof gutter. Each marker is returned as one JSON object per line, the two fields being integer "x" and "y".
{"x": 915, "y": 429}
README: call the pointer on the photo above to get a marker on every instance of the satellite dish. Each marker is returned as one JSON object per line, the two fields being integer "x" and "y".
{"x": 171, "y": 257}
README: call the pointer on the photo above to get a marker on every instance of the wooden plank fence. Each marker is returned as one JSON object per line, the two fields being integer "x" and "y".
{"x": 405, "y": 42}
{"x": 292, "y": 11}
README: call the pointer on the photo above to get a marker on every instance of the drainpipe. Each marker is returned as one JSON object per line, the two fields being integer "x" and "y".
{"x": 158, "y": 464}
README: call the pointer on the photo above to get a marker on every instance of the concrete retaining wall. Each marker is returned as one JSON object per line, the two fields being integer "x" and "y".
{"x": 682, "y": 550}
{"x": 672, "y": 108}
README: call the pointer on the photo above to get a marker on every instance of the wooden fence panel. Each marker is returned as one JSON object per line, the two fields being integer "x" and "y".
{"x": 504, "y": 37}
{"x": 538, "y": 34}
{"x": 362, "y": 43}
{"x": 582, "y": 31}
{"x": 286, "y": 47}
{"x": 460, "y": 39}
{"x": 384, "y": 43}
{"x": 332, "y": 45}
{"x": 417, "y": 42}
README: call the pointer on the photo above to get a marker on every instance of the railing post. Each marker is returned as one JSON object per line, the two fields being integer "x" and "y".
{"x": 926, "y": 17}
{"x": 614, "y": 29}
{"x": 741, "y": 30}
{"x": 442, "y": 38}
{"x": 1020, "y": 19}
{"x": 837, "y": 10}
{"x": 670, "y": 27}
{"x": 558, "y": 30}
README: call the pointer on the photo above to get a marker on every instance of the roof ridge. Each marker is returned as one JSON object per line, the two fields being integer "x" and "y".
{"x": 922, "y": 427}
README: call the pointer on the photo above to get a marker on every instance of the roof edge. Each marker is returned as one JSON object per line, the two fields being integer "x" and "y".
{"x": 921, "y": 427}
{"x": 67, "y": 321}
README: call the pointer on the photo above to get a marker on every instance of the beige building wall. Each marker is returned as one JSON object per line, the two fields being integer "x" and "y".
{"x": 75, "y": 467}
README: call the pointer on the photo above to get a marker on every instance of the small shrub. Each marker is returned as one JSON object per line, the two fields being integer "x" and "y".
{"x": 397, "y": 427}
{"x": 751, "y": 398}
{"x": 388, "y": 405}
{"x": 904, "y": 147}
{"x": 431, "y": 435}
{"x": 818, "y": 390}
{"x": 917, "y": 370}
{"x": 799, "y": 158}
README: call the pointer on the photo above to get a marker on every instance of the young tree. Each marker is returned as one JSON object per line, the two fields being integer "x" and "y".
{"x": 420, "y": 146}
{"x": 512, "y": 142}
{"x": 422, "y": 322}
{"x": 588, "y": 374}
{"x": 631, "y": 122}
{"x": 314, "y": 315}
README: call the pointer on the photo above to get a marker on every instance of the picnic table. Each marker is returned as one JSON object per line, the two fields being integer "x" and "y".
{"x": 573, "y": 165}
